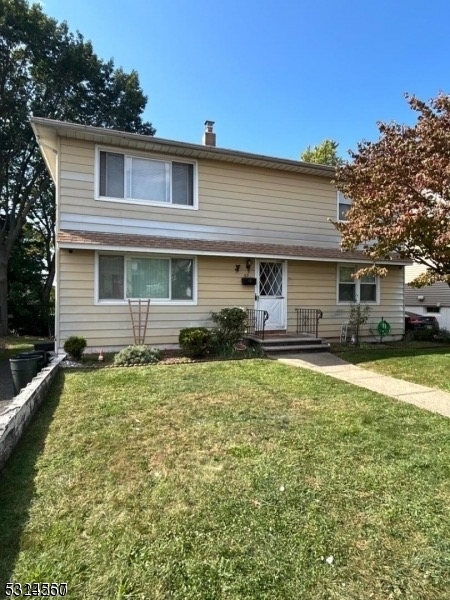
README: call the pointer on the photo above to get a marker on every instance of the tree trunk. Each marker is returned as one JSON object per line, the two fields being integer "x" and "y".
{"x": 4, "y": 330}
{"x": 48, "y": 284}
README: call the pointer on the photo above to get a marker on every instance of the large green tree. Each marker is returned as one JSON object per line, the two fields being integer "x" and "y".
{"x": 400, "y": 191}
{"x": 46, "y": 70}
{"x": 325, "y": 153}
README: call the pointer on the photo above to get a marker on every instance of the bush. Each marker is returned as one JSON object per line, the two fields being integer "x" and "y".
{"x": 137, "y": 355}
{"x": 424, "y": 335}
{"x": 230, "y": 326}
{"x": 196, "y": 341}
{"x": 443, "y": 336}
{"x": 75, "y": 345}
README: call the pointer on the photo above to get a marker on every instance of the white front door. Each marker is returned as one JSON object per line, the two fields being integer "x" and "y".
{"x": 271, "y": 293}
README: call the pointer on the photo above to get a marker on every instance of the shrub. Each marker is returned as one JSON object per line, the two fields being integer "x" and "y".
{"x": 230, "y": 325}
{"x": 424, "y": 335}
{"x": 443, "y": 336}
{"x": 196, "y": 341}
{"x": 137, "y": 355}
{"x": 75, "y": 345}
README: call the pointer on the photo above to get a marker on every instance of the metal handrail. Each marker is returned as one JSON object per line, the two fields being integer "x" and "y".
{"x": 308, "y": 320}
{"x": 256, "y": 321}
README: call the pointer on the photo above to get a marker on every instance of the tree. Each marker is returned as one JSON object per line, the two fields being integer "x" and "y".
{"x": 323, "y": 154}
{"x": 400, "y": 191}
{"x": 26, "y": 266}
{"x": 47, "y": 71}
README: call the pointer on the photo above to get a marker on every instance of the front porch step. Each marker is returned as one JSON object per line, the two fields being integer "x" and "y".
{"x": 289, "y": 343}
{"x": 322, "y": 347}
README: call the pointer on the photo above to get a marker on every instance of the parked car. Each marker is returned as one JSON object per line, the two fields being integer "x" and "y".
{"x": 413, "y": 322}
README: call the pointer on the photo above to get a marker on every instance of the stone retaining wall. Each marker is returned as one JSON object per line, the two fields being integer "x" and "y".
{"x": 17, "y": 414}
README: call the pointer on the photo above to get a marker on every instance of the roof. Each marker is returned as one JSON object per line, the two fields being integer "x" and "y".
{"x": 438, "y": 293}
{"x": 46, "y": 131}
{"x": 72, "y": 239}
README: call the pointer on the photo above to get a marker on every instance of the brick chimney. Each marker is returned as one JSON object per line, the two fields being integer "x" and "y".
{"x": 209, "y": 137}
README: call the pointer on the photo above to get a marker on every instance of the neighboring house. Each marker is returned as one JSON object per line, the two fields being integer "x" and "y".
{"x": 433, "y": 300}
{"x": 143, "y": 217}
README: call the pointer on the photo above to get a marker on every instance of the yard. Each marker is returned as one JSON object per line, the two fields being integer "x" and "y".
{"x": 413, "y": 362}
{"x": 228, "y": 480}
{"x": 11, "y": 345}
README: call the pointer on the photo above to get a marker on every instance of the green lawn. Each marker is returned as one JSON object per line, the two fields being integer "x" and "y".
{"x": 427, "y": 366}
{"x": 11, "y": 345}
{"x": 228, "y": 480}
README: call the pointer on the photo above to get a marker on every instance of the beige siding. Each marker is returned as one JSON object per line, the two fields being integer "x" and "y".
{"x": 105, "y": 325}
{"x": 313, "y": 285}
{"x": 252, "y": 204}
{"x": 310, "y": 284}
{"x": 413, "y": 271}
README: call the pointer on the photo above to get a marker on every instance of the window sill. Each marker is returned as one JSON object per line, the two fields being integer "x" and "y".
{"x": 147, "y": 203}
{"x": 362, "y": 303}
{"x": 144, "y": 300}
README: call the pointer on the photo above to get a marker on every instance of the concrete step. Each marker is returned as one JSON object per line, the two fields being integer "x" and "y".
{"x": 287, "y": 343}
{"x": 284, "y": 341}
{"x": 295, "y": 349}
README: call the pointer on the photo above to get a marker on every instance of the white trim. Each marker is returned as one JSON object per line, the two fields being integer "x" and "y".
{"x": 284, "y": 284}
{"x": 154, "y": 302}
{"x": 128, "y": 153}
{"x": 124, "y": 139}
{"x": 57, "y": 247}
{"x": 357, "y": 288}
{"x": 190, "y": 253}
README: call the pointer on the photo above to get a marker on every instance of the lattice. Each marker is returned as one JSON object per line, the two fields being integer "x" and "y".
{"x": 270, "y": 279}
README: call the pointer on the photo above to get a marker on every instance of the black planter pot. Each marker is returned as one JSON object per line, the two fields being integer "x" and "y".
{"x": 22, "y": 370}
{"x": 40, "y": 357}
{"x": 45, "y": 346}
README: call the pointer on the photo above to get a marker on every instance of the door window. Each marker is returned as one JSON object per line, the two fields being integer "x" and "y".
{"x": 270, "y": 279}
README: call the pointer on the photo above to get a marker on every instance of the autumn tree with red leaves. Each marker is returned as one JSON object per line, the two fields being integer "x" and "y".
{"x": 400, "y": 192}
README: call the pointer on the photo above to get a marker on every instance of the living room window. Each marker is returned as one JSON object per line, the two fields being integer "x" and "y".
{"x": 139, "y": 179}
{"x": 343, "y": 206}
{"x": 163, "y": 279}
{"x": 350, "y": 290}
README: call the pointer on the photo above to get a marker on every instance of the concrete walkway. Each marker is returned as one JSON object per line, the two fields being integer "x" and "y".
{"x": 328, "y": 364}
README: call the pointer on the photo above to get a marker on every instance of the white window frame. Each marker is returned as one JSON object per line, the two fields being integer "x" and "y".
{"x": 357, "y": 287}
{"x": 154, "y": 302}
{"x": 136, "y": 154}
{"x": 341, "y": 199}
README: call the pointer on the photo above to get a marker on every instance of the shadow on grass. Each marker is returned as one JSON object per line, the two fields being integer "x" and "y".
{"x": 17, "y": 487}
{"x": 361, "y": 355}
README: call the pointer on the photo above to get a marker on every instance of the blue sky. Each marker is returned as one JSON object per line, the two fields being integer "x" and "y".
{"x": 275, "y": 75}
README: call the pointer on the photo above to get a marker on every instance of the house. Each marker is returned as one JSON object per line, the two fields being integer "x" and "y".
{"x": 182, "y": 224}
{"x": 432, "y": 300}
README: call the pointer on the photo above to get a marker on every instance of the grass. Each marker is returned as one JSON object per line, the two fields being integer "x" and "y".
{"x": 227, "y": 480}
{"x": 417, "y": 363}
{"x": 11, "y": 345}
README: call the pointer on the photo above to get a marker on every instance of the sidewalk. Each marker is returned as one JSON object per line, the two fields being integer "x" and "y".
{"x": 328, "y": 364}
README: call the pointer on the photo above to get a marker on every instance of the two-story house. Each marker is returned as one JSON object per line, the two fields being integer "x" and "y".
{"x": 181, "y": 224}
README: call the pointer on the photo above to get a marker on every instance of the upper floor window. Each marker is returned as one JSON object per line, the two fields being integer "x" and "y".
{"x": 134, "y": 178}
{"x": 364, "y": 289}
{"x": 343, "y": 207}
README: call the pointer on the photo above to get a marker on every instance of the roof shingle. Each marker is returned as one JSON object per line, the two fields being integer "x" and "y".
{"x": 70, "y": 238}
